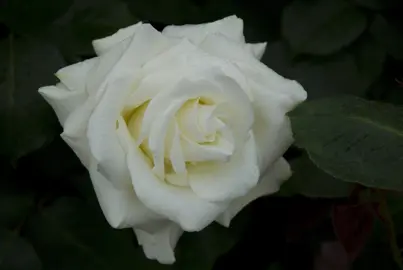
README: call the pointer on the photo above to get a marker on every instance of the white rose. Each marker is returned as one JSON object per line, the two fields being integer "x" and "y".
{"x": 177, "y": 129}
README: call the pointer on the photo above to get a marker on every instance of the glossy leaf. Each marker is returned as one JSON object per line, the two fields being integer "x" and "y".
{"x": 388, "y": 36}
{"x": 200, "y": 250}
{"x": 378, "y": 4}
{"x": 350, "y": 71}
{"x": 170, "y": 12}
{"x": 16, "y": 253}
{"x": 310, "y": 181}
{"x": 321, "y": 27}
{"x": 353, "y": 139}
{"x": 86, "y": 21}
{"x": 15, "y": 206}
{"x": 26, "y": 120}
{"x": 71, "y": 234}
{"x": 26, "y": 16}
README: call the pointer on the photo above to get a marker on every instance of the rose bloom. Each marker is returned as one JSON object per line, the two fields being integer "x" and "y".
{"x": 178, "y": 128}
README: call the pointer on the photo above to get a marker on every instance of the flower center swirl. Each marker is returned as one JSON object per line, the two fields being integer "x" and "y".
{"x": 198, "y": 121}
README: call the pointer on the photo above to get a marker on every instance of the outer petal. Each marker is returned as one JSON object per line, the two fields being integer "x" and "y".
{"x": 121, "y": 207}
{"x": 75, "y": 131}
{"x": 227, "y": 181}
{"x": 180, "y": 205}
{"x": 100, "y": 73}
{"x": 84, "y": 80}
{"x": 222, "y": 46}
{"x": 120, "y": 81}
{"x": 103, "y": 135}
{"x": 126, "y": 56}
{"x": 269, "y": 183}
{"x": 257, "y": 49}
{"x": 62, "y": 100}
{"x": 105, "y": 44}
{"x": 254, "y": 70}
{"x": 92, "y": 76}
{"x": 273, "y": 96}
{"x": 231, "y": 27}
{"x": 159, "y": 240}
{"x": 74, "y": 77}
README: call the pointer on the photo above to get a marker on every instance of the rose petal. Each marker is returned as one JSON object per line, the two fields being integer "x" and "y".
{"x": 231, "y": 27}
{"x": 210, "y": 83}
{"x": 255, "y": 71}
{"x": 159, "y": 240}
{"x": 98, "y": 76}
{"x": 195, "y": 152}
{"x": 176, "y": 154}
{"x": 180, "y": 205}
{"x": 62, "y": 100}
{"x": 74, "y": 77}
{"x": 223, "y": 47}
{"x": 268, "y": 184}
{"x": 257, "y": 49}
{"x": 274, "y": 97}
{"x": 161, "y": 73}
{"x": 75, "y": 131}
{"x": 121, "y": 207}
{"x": 105, "y": 44}
{"x": 102, "y": 135}
{"x": 158, "y": 133}
{"x": 226, "y": 181}
{"x": 127, "y": 56}
{"x": 172, "y": 66}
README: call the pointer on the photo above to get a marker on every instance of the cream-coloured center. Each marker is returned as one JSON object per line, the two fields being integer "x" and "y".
{"x": 194, "y": 134}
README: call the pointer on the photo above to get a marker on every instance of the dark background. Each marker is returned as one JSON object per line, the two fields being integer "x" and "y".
{"x": 49, "y": 217}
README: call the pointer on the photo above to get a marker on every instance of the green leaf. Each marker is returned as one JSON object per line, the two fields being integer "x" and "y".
{"x": 86, "y": 21}
{"x": 199, "y": 250}
{"x": 26, "y": 16}
{"x": 16, "y": 253}
{"x": 196, "y": 251}
{"x": 308, "y": 180}
{"x": 185, "y": 11}
{"x": 321, "y": 27}
{"x": 388, "y": 36}
{"x": 350, "y": 71}
{"x": 171, "y": 12}
{"x": 378, "y": 4}
{"x": 387, "y": 89}
{"x": 26, "y": 120}
{"x": 15, "y": 201}
{"x": 73, "y": 234}
{"x": 353, "y": 139}
{"x": 15, "y": 205}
